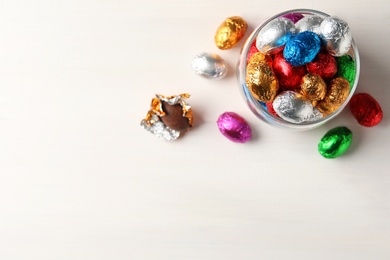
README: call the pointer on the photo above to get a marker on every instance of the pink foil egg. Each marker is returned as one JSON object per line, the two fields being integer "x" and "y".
{"x": 234, "y": 127}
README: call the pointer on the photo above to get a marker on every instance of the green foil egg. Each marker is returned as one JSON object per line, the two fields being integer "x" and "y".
{"x": 335, "y": 142}
{"x": 346, "y": 68}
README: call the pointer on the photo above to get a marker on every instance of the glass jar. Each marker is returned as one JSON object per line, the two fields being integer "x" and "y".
{"x": 259, "y": 108}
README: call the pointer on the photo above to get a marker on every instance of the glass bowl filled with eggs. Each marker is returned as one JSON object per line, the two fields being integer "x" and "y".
{"x": 299, "y": 69}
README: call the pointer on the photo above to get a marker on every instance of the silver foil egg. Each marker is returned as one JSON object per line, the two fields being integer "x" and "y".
{"x": 309, "y": 23}
{"x": 274, "y": 35}
{"x": 209, "y": 65}
{"x": 295, "y": 108}
{"x": 337, "y": 36}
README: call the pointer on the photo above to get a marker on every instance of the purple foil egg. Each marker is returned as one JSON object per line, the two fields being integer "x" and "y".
{"x": 234, "y": 127}
{"x": 294, "y": 17}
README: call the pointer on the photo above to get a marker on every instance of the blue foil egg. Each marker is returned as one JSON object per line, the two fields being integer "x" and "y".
{"x": 302, "y": 48}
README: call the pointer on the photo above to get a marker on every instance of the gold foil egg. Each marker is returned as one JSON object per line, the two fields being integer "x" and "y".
{"x": 336, "y": 95}
{"x": 313, "y": 87}
{"x": 261, "y": 81}
{"x": 230, "y": 32}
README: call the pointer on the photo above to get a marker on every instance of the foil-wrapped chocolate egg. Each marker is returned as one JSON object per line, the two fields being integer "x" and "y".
{"x": 310, "y": 23}
{"x": 313, "y": 87}
{"x": 295, "y": 108}
{"x": 168, "y": 117}
{"x": 209, "y": 65}
{"x": 324, "y": 65}
{"x": 302, "y": 48}
{"x": 335, "y": 142}
{"x": 261, "y": 81}
{"x": 260, "y": 57}
{"x": 337, "y": 36}
{"x": 234, "y": 127}
{"x": 338, "y": 91}
{"x": 274, "y": 35}
{"x": 294, "y": 17}
{"x": 289, "y": 76}
{"x": 230, "y": 32}
{"x": 346, "y": 68}
{"x": 366, "y": 109}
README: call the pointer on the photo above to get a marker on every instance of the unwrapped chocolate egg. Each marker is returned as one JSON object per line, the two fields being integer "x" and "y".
{"x": 274, "y": 35}
{"x": 234, "y": 127}
{"x": 230, "y": 32}
{"x": 337, "y": 36}
{"x": 366, "y": 109}
{"x": 335, "y": 142}
{"x": 169, "y": 116}
{"x": 295, "y": 108}
{"x": 302, "y": 48}
{"x": 309, "y": 23}
{"x": 209, "y": 65}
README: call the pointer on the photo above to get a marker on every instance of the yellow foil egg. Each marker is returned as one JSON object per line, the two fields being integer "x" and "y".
{"x": 261, "y": 81}
{"x": 336, "y": 95}
{"x": 230, "y": 32}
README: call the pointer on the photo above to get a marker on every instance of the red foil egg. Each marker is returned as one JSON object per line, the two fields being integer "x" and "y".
{"x": 271, "y": 109}
{"x": 289, "y": 76}
{"x": 252, "y": 50}
{"x": 366, "y": 109}
{"x": 324, "y": 65}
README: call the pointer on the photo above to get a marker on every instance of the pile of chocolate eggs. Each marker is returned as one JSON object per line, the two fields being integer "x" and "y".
{"x": 299, "y": 68}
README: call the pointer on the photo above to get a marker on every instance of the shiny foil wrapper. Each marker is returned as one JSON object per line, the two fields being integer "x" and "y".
{"x": 366, "y": 109}
{"x": 324, "y": 65}
{"x": 230, "y": 32}
{"x": 346, "y": 68}
{"x": 338, "y": 91}
{"x": 209, "y": 65}
{"x": 335, "y": 142}
{"x": 261, "y": 81}
{"x": 274, "y": 35}
{"x": 295, "y": 108}
{"x": 294, "y": 17}
{"x": 313, "y": 87}
{"x": 337, "y": 36}
{"x": 234, "y": 127}
{"x": 310, "y": 23}
{"x": 168, "y": 116}
{"x": 289, "y": 76}
{"x": 302, "y": 48}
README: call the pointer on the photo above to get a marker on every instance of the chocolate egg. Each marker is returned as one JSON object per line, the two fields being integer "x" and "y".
{"x": 261, "y": 81}
{"x": 324, "y": 65}
{"x": 335, "y": 142}
{"x": 302, "y": 48}
{"x": 366, "y": 109}
{"x": 309, "y": 23}
{"x": 295, "y": 108}
{"x": 168, "y": 116}
{"x": 274, "y": 35}
{"x": 174, "y": 117}
{"x": 234, "y": 127}
{"x": 337, "y": 36}
{"x": 313, "y": 87}
{"x": 289, "y": 76}
{"x": 230, "y": 32}
{"x": 209, "y": 65}
{"x": 337, "y": 93}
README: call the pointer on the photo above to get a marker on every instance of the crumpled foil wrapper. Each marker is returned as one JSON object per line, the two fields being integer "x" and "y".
{"x": 153, "y": 121}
